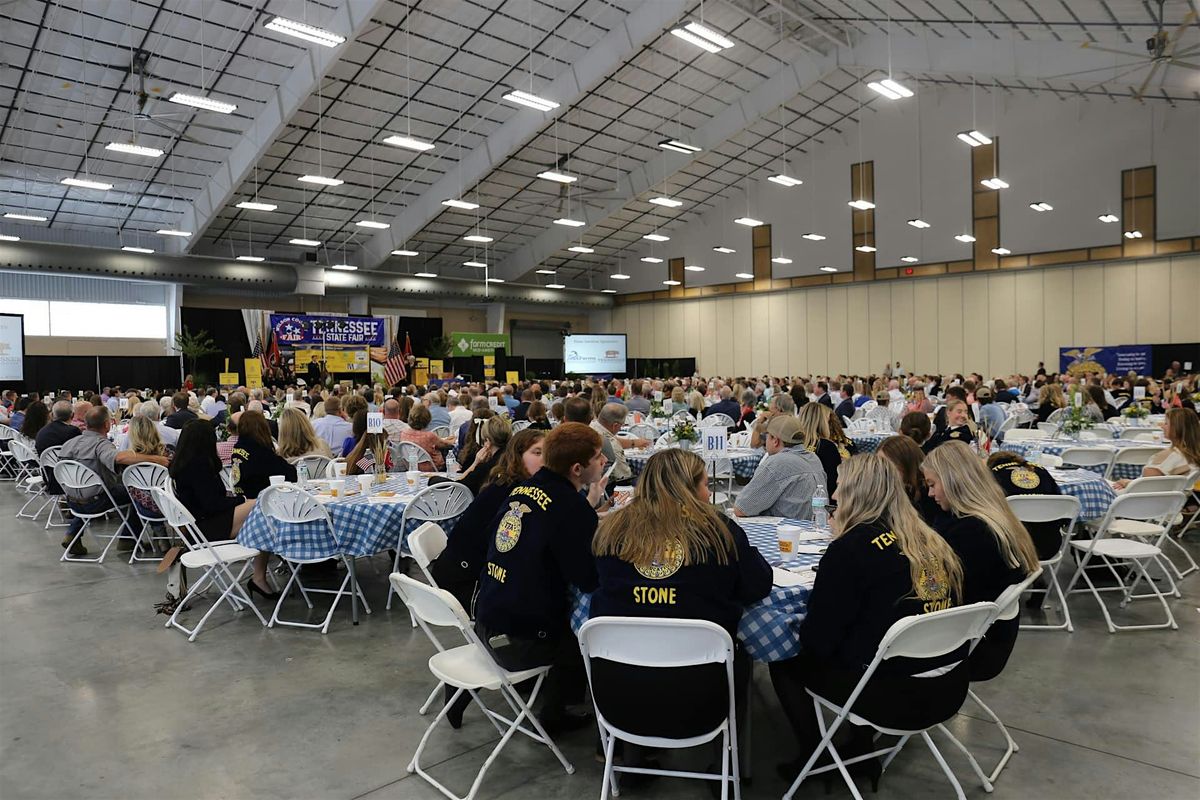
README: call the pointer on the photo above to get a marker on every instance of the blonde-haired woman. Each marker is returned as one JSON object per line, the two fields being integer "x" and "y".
{"x": 678, "y": 400}
{"x": 1182, "y": 429}
{"x": 669, "y": 541}
{"x": 1050, "y": 399}
{"x": 996, "y": 549}
{"x": 885, "y": 563}
{"x": 818, "y": 439}
{"x": 144, "y": 438}
{"x": 297, "y": 437}
{"x": 695, "y": 403}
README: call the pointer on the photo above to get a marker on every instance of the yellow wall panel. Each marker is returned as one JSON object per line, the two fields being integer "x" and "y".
{"x": 660, "y": 323}
{"x": 1058, "y": 313}
{"x": 742, "y": 333}
{"x": 1153, "y": 323}
{"x": 691, "y": 329}
{"x": 675, "y": 343}
{"x": 1002, "y": 332}
{"x": 975, "y": 333}
{"x": 949, "y": 325}
{"x": 839, "y": 353}
{"x": 797, "y": 309}
{"x": 619, "y": 325}
{"x": 724, "y": 332}
{"x": 780, "y": 337}
{"x": 1185, "y": 299}
{"x": 760, "y": 324}
{"x": 925, "y": 346}
{"x": 818, "y": 334}
{"x": 707, "y": 344}
{"x": 1120, "y": 304}
{"x": 1088, "y": 300}
{"x": 1029, "y": 322}
{"x": 903, "y": 324}
{"x": 858, "y": 313}
{"x": 879, "y": 324}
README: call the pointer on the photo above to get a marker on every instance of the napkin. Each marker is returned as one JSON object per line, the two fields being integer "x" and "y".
{"x": 810, "y": 549}
{"x": 396, "y": 498}
{"x": 800, "y": 577}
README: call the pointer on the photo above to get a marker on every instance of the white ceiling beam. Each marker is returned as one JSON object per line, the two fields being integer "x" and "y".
{"x": 350, "y": 19}
{"x": 640, "y": 27}
{"x": 821, "y": 28}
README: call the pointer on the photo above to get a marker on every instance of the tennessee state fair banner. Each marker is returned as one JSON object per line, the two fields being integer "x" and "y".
{"x": 311, "y": 330}
{"x": 1117, "y": 359}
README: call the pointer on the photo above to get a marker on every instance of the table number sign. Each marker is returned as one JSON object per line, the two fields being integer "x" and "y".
{"x": 715, "y": 442}
{"x": 374, "y": 422}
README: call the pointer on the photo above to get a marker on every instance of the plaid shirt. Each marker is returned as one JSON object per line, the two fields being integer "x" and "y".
{"x": 783, "y": 485}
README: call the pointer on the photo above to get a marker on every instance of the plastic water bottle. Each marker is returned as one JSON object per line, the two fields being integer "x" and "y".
{"x": 1033, "y": 454}
{"x": 451, "y": 463}
{"x": 820, "y": 500}
{"x": 302, "y": 474}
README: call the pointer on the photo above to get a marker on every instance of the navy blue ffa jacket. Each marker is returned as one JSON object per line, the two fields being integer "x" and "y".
{"x": 707, "y": 590}
{"x": 958, "y": 433}
{"x": 540, "y": 542}
{"x": 1016, "y": 478}
{"x": 831, "y": 454}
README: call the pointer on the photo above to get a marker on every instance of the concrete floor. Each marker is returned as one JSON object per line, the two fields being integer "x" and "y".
{"x": 98, "y": 700}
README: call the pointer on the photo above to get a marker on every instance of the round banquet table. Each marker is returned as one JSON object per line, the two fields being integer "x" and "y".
{"x": 743, "y": 459}
{"x": 866, "y": 442}
{"x": 1055, "y": 447}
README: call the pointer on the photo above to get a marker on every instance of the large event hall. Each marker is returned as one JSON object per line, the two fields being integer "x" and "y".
{"x": 521, "y": 399}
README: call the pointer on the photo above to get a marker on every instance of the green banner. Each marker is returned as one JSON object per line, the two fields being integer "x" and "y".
{"x": 477, "y": 344}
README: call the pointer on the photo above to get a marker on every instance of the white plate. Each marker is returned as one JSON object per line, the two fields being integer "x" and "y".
{"x": 799, "y": 577}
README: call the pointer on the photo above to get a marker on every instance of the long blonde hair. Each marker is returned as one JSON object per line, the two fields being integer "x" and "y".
{"x": 666, "y": 516}
{"x": 1051, "y": 394}
{"x": 297, "y": 437}
{"x": 971, "y": 492}
{"x": 814, "y": 425}
{"x": 1185, "y": 434}
{"x": 870, "y": 489}
{"x": 144, "y": 437}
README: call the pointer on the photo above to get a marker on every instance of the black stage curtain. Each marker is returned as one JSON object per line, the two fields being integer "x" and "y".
{"x": 55, "y": 373}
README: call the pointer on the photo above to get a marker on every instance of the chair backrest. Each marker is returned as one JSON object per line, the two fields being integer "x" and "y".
{"x": 442, "y": 431}
{"x": 1087, "y": 456}
{"x": 1098, "y": 436}
{"x": 23, "y": 452}
{"x": 426, "y": 543}
{"x": 740, "y": 439}
{"x": 1044, "y": 507}
{"x": 290, "y": 504}
{"x": 304, "y": 407}
{"x": 145, "y": 476}
{"x": 1119, "y": 401}
{"x": 173, "y": 511}
{"x": 1008, "y": 424}
{"x": 644, "y": 431}
{"x": 1008, "y": 604}
{"x": 1023, "y": 435}
{"x": 715, "y": 421}
{"x": 650, "y": 642}
{"x": 1157, "y": 483}
{"x": 684, "y": 415}
{"x": 1056, "y": 415}
{"x": 227, "y": 478}
{"x": 439, "y": 502}
{"x": 413, "y": 455}
{"x": 1135, "y": 454}
{"x": 1148, "y": 434}
{"x": 316, "y": 464}
{"x": 860, "y": 425}
{"x": 1141, "y": 506}
{"x": 520, "y": 425}
{"x": 936, "y": 633}
{"x": 431, "y": 605}
{"x": 7, "y": 433}
{"x": 71, "y": 475}
{"x": 1047, "y": 427}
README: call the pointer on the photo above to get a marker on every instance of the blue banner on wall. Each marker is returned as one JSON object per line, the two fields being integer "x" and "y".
{"x": 309, "y": 329}
{"x": 1118, "y": 359}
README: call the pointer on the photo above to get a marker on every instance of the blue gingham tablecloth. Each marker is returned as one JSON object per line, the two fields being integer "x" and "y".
{"x": 1055, "y": 447}
{"x": 868, "y": 442}
{"x": 1094, "y": 493}
{"x": 364, "y": 528}
{"x": 770, "y": 628}
{"x": 743, "y": 459}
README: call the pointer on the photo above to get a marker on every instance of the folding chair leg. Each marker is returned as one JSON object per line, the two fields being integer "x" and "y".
{"x": 987, "y": 784}
{"x": 937, "y": 754}
{"x": 826, "y": 743}
{"x": 610, "y": 776}
{"x": 432, "y": 696}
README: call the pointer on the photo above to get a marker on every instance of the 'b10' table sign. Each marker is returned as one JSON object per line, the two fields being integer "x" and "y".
{"x": 374, "y": 422}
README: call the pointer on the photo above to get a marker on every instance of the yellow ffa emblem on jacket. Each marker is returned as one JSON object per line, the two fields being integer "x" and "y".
{"x": 510, "y": 526}
{"x": 1024, "y": 478}
{"x": 843, "y": 451}
{"x": 933, "y": 587}
{"x": 665, "y": 565}
{"x": 235, "y": 473}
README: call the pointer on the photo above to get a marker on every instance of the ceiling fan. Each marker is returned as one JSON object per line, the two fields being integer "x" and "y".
{"x": 1162, "y": 53}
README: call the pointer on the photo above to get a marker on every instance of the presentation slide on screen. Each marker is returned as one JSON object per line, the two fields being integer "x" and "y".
{"x": 12, "y": 348}
{"x": 594, "y": 353}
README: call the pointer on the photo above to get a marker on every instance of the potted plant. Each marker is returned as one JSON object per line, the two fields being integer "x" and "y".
{"x": 684, "y": 433}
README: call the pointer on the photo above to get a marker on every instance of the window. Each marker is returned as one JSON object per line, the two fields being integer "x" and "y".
{"x": 107, "y": 320}
{"x": 36, "y": 312}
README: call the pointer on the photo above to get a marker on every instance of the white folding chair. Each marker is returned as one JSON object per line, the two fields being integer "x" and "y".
{"x": 1050, "y": 508}
{"x": 643, "y": 430}
{"x": 8, "y": 462}
{"x": 48, "y": 459}
{"x": 1055, "y": 417}
{"x": 442, "y": 431}
{"x": 1088, "y": 458}
{"x": 1008, "y": 607}
{"x": 214, "y": 558}
{"x": 439, "y": 503}
{"x": 412, "y": 455}
{"x": 144, "y": 477}
{"x": 1048, "y": 427}
{"x": 716, "y": 421}
{"x": 740, "y": 439}
{"x": 317, "y": 465}
{"x": 1159, "y": 529}
{"x": 427, "y": 543}
{"x": 520, "y": 425}
{"x": 664, "y": 439}
{"x": 662, "y": 644}
{"x": 923, "y": 636}
{"x": 1110, "y": 551}
{"x": 289, "y": 505}
{"x": 1006, "y": 426}
{"x": 32, "y": 482}
{"x": 1024, "y": 435}
{"x": 1131, "y": 456}
{"x": 1147, "y": 434}
{"x": 75, "y": 477}
{"x": 1119, "y": 401}
{"x": 227, "y": 479}
{"x": 1194, "y": 489}
{"x": 471, "y": 668}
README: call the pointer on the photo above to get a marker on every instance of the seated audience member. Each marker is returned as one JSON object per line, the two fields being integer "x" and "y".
{"x": 814, "y": 429}
{"x": 181, "y": 413}
{"x": 1016, "y": 476}
{"x": 958, "y": 427}
{"x": 418, "y": 433}
{"x": 845, "y": 407}
{"x": 485, "y": 450}
{"x": 915, "y": 425}
{"x": 254, "y": 459}
{"x": 540, "y": 545}
{"x": 439, "y": 417}
{"x": 298, "y": 438}
{"x": 1182, "y": 430}
{"x": 679, "y": 401}
{"x": 670, "y": 541}
{"x": 995, "y": 548}
{"x": 884, "y": 564}
{"x": 695, "y": 404}
{"x": 746, "y": 417}
{"x": 639, "y": 400}
{"x": 781, "y": 405}
{"x": 459, "y": 413}
{"x": 939, "y": 417}
{"x": 93, "y": 449}
{"x": 1096, "y": 394}
{"x": 57, "y": 431}
{"x": 225, "y": 448}
{"x": 918, "y": 401}
{"x": 153, "y": 412}
{"x": 991, "y": 414}
{"x": 907, "y": 457}
{"x": 578, "y": 409}
{"x": 37, "y": 416}
{"x": 334, "y": 427}
{"x": 144, "y": 439}
{"x": 393, "y": 425}
{"x": 885, "y": 418}
{"x": 610, "y": 420}
{"x": 537, "y": 416}
{"x": 358, "y": 427}
{"x": 370, "y": 451}
{"x": 469, "y": 433}
{"x": 783, "y": 485}
{"x": 79, "y": 416}
{"x": 519, "y": 411}
{"x": 726, "y": 405}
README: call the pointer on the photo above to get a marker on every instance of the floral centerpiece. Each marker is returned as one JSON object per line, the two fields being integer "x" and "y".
{"x": 656, "y": 410}
{"x": 761, "y": 407}
{"x": 1135, "y": 412}
{"x": 684, "y": 433}
{"x": 1076, "y": 418}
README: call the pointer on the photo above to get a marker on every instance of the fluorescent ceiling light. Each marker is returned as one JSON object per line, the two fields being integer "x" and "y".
{"x": 405, "y": 253}
{"x": 345, "y": 267}
{"x": 1134, "y": 234}
{"x": 255, "y": 259}
{"x": 652, "y": 260}
{"x": 965, "y": 237}
{"x": 530, "y": 100}
{"x": 474, "y": 264}
{"x": 670, "y": 282}
{"x": 463, "y": 204}
{"x": 910, "y": 259}
{"x": 556, "y": 286}
{"x": 475, "y": 237}
{"x": 994, "y": 183}
{"x": 134, "y": 149}
{"x": 865, "y": 248}
{"x": 785, "y": 180}
{"x": 129, "y": 249}
{"x": 546, "y": 272}
{"x": 557, "y": 177}
{"x": 861, "y": 205}
{"x": 495, "y": 280}
{"x": 974, "y": 138}
{"x": 678, "y": 146}
{"x": 371, "y": 223}
{"x": 609, "y": 291}
{"x": 723, "y": 249}
{"x": 750, "y": 222}
{"x": 890, "y": 89}
{"x": 1041, "y": 205}
{"x": 306, "y": 32}
{"x": 578, "y": 248}
{"x": 86, "y": 184}
{"x": 254, "y": 205}
{"x": 813, "y": 237}
{"x": 305, "y": 242}
{"x": 4, "y": 237}
{"x": 172, "y": 232}
{"x": 704, "y": 37}
{"x": 657, "y": 237}
{"x": 781, "y": 260}
{"x": 425, "y": 274}
{"x": 746, "y": 276}
{"x": 694, "y": 268}
{"x": 24, "y": 217}
{"x": 828, "y": 269}
{"x": 669, "y": 202}
{"x": 1108, "y": 218}
{"x": 320, "y": 180}
{"x": 619, "y": 276}
{"x": 408, "y": 143}
{"x": 918, "y": 223}
{"x": 1001, "y": 251}
{"x": 570, "y": 223}
{"x": 202, "y": 103}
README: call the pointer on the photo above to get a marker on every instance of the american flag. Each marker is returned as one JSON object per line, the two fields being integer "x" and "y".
{"x": 258, "y": 350}
{"x": 393, "y": 368}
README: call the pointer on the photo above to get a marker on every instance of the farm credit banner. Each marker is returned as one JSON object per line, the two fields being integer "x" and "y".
{"x": 300, "y": 330}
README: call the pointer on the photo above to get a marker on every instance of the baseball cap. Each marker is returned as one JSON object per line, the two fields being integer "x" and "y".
{"x": 786, "y": 428}
{"x": 983, "y": 393}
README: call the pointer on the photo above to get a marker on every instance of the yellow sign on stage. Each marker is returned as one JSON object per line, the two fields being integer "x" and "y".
{"x": 253, "y": 373}
{"x": 229, "y": 380}
{"x": 338, "y": 360}
{"x": 489, "y": 366}
{"x": 435, "y": 367}
{"x": 421, "y": 372}
{"x": 512, "y": 377}
{"x": 489, "y": 361}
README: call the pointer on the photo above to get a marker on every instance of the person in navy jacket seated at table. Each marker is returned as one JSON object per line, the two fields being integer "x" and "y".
{"x": 540, "y": 544}
{"x": 726, "y": 405}
{"x": 670, "y": 553}
{"x": 885, "y": 563}
{"x": 845, "y": 407}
